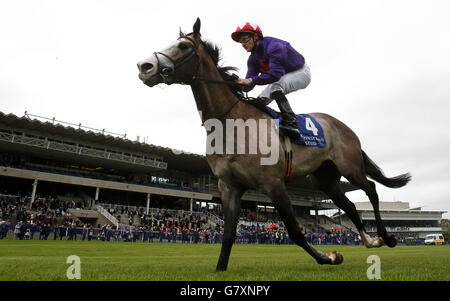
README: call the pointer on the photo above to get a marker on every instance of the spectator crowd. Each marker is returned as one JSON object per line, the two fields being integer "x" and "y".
{"x": 49, "y": 220}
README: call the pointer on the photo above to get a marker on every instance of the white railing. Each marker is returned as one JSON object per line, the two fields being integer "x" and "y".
{"x": 82, "y": 150}
{"x": 151, "y": 211}
{"x": 242, "y": 222}
{"x": 107, "y": 215}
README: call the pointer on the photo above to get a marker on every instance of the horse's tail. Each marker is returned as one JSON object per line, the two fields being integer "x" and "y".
{"x": 375, "y": 172}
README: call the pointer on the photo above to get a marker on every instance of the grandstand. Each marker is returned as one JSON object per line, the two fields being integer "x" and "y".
{"x": 46, "y": 159}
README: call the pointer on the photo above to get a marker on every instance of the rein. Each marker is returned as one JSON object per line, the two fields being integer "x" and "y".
{"x": 215, "y": 81}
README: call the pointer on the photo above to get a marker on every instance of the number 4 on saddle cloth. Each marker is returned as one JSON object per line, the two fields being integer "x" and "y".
{"x": 311, "y": 133}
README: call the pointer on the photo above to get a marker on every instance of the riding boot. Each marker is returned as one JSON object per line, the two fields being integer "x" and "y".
{"x": 288, "y": 126}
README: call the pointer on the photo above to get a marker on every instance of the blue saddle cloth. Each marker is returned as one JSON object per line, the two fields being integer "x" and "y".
{"x": 311, "y": 132}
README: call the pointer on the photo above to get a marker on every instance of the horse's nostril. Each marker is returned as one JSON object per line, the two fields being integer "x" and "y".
{"x": 146, "y": 67}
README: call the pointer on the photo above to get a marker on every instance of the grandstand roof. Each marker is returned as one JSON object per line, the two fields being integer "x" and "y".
{"x": 182, "y": 161}
{"x": 391, "y": 206}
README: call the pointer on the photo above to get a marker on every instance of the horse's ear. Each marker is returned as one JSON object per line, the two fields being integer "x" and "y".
{"x": 196, "y": 27}
{"x": 181, "y": 33}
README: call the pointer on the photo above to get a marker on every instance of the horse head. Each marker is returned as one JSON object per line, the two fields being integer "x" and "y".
{"x": 178, "y": 63}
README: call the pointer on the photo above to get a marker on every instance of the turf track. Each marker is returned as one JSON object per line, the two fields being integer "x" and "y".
{"x": 46, "y": 260}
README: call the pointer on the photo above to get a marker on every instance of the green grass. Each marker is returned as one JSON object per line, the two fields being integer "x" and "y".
{"x": 46, "y": 260}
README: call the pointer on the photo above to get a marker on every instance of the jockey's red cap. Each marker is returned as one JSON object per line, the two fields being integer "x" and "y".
{"x": 246, "y": 28}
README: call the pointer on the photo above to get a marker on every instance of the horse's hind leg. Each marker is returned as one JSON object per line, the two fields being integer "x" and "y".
{"x": 231, "y": 197}
{"x": 279, "y": 196}
{"x": 369, "y": 188}
{"x": 327, "y": 179}
{"x": 353, "y": 170}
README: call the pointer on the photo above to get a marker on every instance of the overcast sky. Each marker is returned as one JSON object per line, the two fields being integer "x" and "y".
{"x": 381, "y": 67}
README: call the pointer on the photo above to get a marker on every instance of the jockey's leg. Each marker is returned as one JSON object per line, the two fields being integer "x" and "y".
{"x": 289, "y": 82}
{"x": 288, "y": 124}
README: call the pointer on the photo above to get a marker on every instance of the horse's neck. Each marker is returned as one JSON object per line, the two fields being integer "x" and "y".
{"x": 213, "y": 100}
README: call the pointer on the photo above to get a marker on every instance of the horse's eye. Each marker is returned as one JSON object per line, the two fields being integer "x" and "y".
{"x": 182, "y": 46}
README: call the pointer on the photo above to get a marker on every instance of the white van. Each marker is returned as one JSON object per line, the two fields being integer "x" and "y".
{"x": 434, "y": 239}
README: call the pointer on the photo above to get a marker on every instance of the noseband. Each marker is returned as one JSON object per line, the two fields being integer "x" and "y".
{"x": 165, "y": 71}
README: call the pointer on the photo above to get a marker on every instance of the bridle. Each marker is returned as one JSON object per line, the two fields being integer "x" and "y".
{"x": 165, "y": 71}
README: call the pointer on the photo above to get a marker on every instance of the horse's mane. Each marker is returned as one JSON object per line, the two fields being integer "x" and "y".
{"x": 225, "y": 72}
{"x": 214, "y": 52}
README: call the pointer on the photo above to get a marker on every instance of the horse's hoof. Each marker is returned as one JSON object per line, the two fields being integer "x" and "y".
{"x": 376, "y": 242}
{"x": 336, "y": 258}
{"x": 221, "y": 268}
{"x": 390, "y": 241}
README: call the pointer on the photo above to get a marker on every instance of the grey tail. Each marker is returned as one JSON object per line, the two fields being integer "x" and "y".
{"x": 375, "y": 172}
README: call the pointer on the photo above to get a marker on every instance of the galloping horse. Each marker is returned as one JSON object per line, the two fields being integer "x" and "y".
{"x": 190, "y": 60}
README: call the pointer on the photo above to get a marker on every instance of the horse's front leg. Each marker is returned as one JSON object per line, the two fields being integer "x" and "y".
{"x": 231, "y": 200}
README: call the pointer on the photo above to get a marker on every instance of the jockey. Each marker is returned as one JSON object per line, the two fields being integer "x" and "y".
{"x": 275, "y": 63}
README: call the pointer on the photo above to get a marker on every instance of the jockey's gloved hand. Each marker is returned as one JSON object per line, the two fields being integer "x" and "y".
{"x": 238, "y": 89}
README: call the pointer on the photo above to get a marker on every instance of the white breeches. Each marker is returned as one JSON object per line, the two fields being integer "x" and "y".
{"x": 290, "y": 82}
